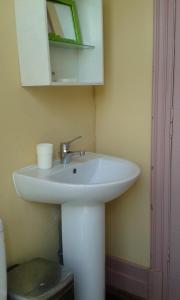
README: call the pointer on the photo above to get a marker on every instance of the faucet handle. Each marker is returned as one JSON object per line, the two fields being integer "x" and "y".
{"x": 73, "y": 140}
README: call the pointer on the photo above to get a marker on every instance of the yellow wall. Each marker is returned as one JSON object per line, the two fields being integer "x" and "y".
{"x": 32, "y": 115}
{"x": 123, "y": 120}
{"x": 29, "y": 116}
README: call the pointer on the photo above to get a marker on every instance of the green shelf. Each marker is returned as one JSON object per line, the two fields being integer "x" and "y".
{"x": 70, "y": 45}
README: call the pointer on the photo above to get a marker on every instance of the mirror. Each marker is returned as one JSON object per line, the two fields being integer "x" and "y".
{"x": 63, "y": 21}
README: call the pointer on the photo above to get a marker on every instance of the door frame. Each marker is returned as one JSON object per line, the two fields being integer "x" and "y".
{"x": 162, "y": 108}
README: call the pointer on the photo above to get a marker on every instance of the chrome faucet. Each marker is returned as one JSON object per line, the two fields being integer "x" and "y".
{"x": 65, "y": 153}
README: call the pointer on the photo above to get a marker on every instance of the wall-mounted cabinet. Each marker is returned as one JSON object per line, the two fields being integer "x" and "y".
{"x": 44, "y": 62}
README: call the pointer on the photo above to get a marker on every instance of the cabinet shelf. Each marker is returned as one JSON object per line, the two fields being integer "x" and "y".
{"x": 70, "y": 45}
{"x": 72, "y": 82}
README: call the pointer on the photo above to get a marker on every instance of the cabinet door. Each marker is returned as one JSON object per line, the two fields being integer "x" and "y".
{"x": 33, "y": 44}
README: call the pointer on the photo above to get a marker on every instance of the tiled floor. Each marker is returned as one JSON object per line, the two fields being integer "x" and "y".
{"x": 114, "y": 295}
{"x": 111, "y": 297}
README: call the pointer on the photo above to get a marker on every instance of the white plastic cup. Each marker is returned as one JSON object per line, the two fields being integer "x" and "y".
{"x": 44, "y": 156}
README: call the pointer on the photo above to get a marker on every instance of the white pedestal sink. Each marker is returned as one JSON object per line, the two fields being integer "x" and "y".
{"x": 82, "y": 188}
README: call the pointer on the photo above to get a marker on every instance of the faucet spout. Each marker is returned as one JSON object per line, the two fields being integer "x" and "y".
{"x": 68, "y": 156}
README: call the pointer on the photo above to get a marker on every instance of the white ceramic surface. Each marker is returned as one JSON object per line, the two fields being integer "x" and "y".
{"x": 93, "y": 178}
{"x": 82, "y": 187}
{"x": 83, "y": 231}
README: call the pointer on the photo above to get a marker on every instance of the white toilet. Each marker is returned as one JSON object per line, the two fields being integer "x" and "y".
{"x": 3, "y": 278}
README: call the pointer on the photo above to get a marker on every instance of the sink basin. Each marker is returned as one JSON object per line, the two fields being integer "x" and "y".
{"x": 93, "y": 178}
{"x": 82, "y": 188}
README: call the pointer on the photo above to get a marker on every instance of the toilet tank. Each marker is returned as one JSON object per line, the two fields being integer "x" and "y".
{"x": 3, "y": 276}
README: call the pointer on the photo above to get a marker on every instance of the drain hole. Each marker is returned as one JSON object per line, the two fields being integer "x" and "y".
{"x": 75, "y": 171}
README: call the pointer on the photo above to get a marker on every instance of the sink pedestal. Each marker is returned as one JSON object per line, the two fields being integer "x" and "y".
{"x": 83, "y": 233}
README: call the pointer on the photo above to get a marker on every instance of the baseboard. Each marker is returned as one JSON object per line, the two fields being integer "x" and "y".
{"x": 125, "y": 276}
